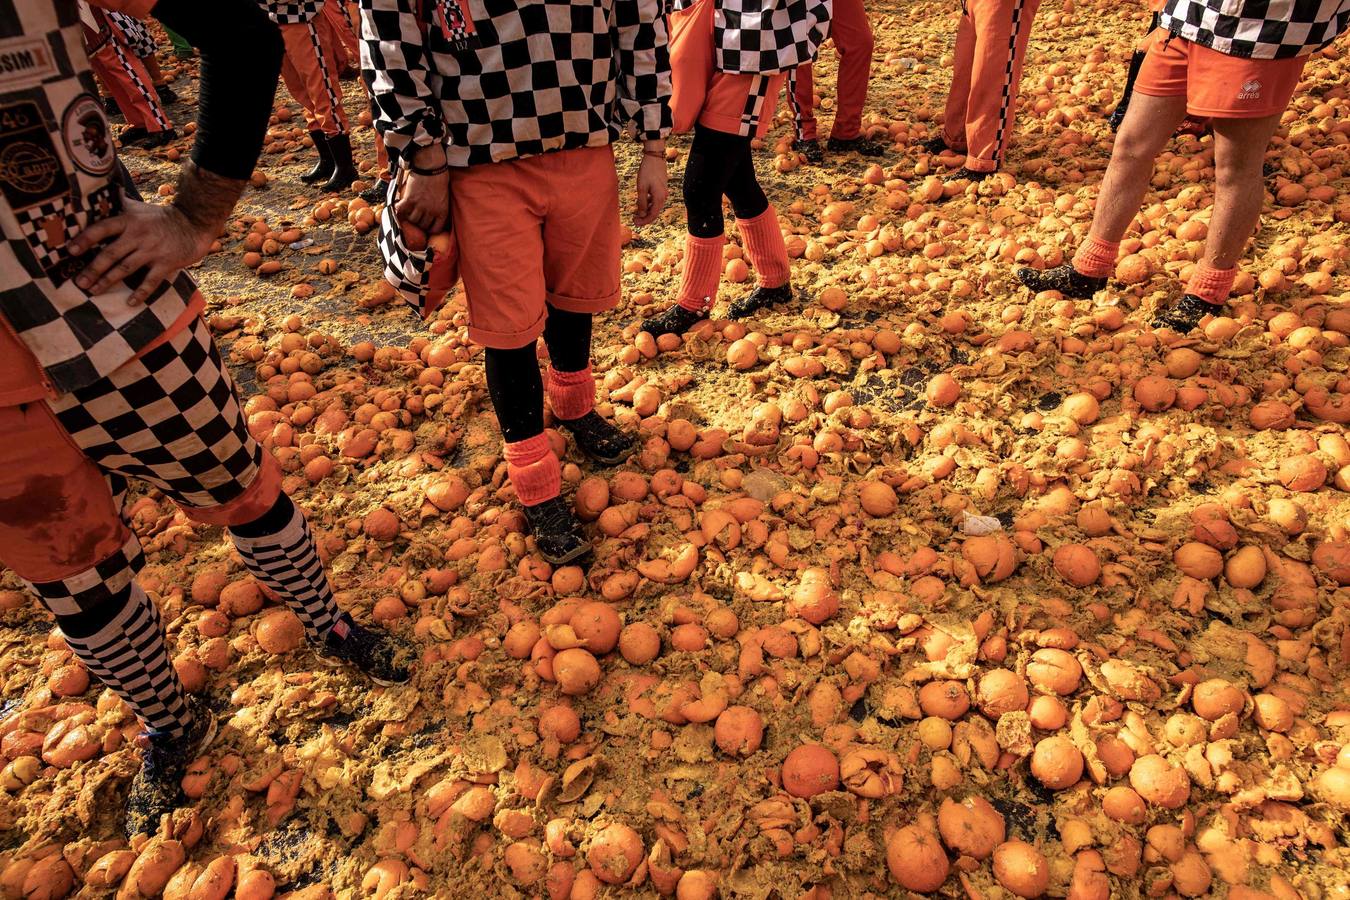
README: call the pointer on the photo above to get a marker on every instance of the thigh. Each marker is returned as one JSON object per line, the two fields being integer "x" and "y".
{"x": 58, "y": 514}
{"x": 498, "y": 221}
{"x": 849, "y": 26}
{"x": 170, "y": 418}
{"x": 581, "y": 230}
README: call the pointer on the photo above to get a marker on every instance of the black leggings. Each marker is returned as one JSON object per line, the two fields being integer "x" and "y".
{"x": 514, "y": 383}
{"x": 720, "y": 164}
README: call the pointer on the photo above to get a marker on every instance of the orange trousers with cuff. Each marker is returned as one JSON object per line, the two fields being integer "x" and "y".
{"x": 851, "y": 33}
{"x": 311, "y": 75}
{"x": 991, "y": 46}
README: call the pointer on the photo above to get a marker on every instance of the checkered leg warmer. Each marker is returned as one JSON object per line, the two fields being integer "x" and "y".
{"x": 287, "y": 561}
{"x": 115, "y": 629}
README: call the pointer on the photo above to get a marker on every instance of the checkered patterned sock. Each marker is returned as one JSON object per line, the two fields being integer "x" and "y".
{"x": 764, "y": 244}
{"x": 702, "y": 272}
{"x": 287, "y": 561}
{"x": 1210, "y": 284}
{"x": 120, "y": 640}
{"x": 1096, "y": 258}
{"x": 534, "y": 470}
{"x": 571, "y": 394}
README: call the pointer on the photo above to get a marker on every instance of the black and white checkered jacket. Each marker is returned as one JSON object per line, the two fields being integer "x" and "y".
{"x": 1261, "y": 29}
{"x": 764, "y": 37}
{"x": 56, "y": 177}
{"x": 291, "y": 12}
{"x": 535, "y": 75}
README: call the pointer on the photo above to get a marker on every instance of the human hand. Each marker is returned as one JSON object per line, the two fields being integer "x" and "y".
{"x": 652, "y": 189}
{"x": 424, "y": 200}
{"x": 159, "y": 239}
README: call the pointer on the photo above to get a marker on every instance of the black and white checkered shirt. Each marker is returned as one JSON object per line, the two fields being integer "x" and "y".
{"x": 291, "y": 12}
{"x": 56, "y": 165}
{"x": 1261, "y": 29}
{"x": 536, "y": 76}
{"x": 136, "y": 33}
{"x": 762, "y": 37}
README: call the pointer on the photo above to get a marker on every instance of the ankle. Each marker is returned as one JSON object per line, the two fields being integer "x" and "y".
{"x": 1096, "y": 258}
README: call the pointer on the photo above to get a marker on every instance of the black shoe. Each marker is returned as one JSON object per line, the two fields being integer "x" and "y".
{"x": 348, "y": 74}
{"x": 964, "y": 174}
{"x": 157, "y": 788}
{"x": 344, "y": 169}
{"x": 811, "y": 150}
{"x": 935, "y": 145}
{"x": 376, "y": 193}
{"x": 166, "y": 94}
{"x": 158, "y": 139}
{"x": 860, "y": 145}
{"x": 600, "y": 440}
{"x": 110, "y": 107}
{"x": 556, "y": 532}
{"x": 185, "y": 54}
{"x": 1186, "y": 315}
{"x": 1117, "y": 116}
{"x": 759, "y": 298}
{"x": 1065, "y": 279}
{"x": 371, "y": 651}
{"x": 132, "y": 136}
{"x": 676, "y": 320}
{"x": 323, "y": 169}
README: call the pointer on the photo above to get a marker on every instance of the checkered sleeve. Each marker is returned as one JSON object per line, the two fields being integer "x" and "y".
{"x": 398, "y": 69}
{"x": 643, "y": 67}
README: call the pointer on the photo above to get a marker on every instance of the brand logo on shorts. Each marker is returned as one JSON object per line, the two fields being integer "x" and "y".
{"x": 1250, "y": 90}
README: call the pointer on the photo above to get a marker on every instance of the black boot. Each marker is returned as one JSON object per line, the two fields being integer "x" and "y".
{"x": 324, "y": 167}
{"x": 372, "y": 651}
{"x": 600, "y": 440}
{"x": 1118, "y": 114}
{"x": 157, "y": 788}
{"x": 132, "y": 135}
{"x": 166, "y": 94}
{"x": 935, "y": 145}
{"x": 1065, "y": 279}
{"x": 676, "y": 320}
{"x": 556, "y": 532}
{"x": 811, "y": 150}
{"x": 1186, "y": 315}
{"x": 964, "y": 174}
{"x": 376, "y": 193}
{"x": 158, "y": 138}
{"x": 344, "y": 170}
{"x": 757, "y": 299}
{"x": 860, "y": 145}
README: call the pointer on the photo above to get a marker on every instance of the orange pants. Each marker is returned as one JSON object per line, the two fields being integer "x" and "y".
{"x": 337, "y": 33}
{"x": 533, "y": 233}
{"x": 851, "y": 33}
{"x": 312, "y": 77}
{"x": 991, "y": 45}
{"x": 126, "y": 79}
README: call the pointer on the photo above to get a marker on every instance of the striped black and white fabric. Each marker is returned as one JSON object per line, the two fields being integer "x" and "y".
{"x": 124, "y": 51}
{"x": 291, "y": 12}
{"x": 407, "y": 270}
{"x": 120, "y": 640}
{"x": 1021, "y": 21}
{"x": 288, "y": 562}
{"x": 137, "y": 34}
{"x": 538, "y": 75}
{"x": 763, "y": 37}
{"x": 53, "y": 117}
{"x": 1260, "y": 29}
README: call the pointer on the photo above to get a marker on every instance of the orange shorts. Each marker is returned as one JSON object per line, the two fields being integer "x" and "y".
{"x": 1215, "y": 84}
{"x": 741, "y": 104}
{"x": 533, "y": 233}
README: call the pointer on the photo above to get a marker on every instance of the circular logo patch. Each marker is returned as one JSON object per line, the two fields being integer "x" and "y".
{"x": 29, "y": 167}
{"x": 84, "y": 128}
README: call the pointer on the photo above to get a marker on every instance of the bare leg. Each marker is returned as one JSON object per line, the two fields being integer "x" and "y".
{"x": 1147, "y": 128}
{"x": 1239, "y": 150}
